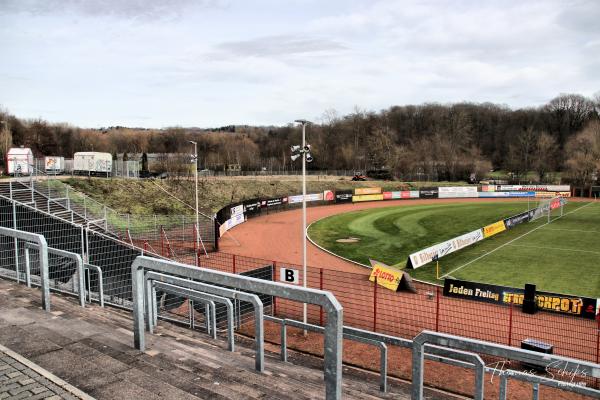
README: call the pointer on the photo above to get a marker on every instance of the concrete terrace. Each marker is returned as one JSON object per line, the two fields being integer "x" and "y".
{"x": 92, "y": 349}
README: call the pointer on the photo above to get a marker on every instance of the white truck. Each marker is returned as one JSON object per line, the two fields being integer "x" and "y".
{"x": 92, "y": 163}
{"x": 19, "y": 161}
{"x": 54, "y": 165}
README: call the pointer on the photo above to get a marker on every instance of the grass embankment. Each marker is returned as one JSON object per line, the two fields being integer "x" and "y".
{"x": 558, "y": 257}
{"x": 155, "y": 196}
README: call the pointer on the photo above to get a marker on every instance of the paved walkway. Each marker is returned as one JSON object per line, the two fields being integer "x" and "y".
{"x": 22, "y": 379}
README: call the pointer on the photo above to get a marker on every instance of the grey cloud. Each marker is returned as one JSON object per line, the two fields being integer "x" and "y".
{"x": 143, "y": 9}
{"x": 581, "y": 16}
{"x": 284, "y": 45}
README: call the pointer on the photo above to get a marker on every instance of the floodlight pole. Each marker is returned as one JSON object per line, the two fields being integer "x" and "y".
{"x": 304, "y": 272}
{"x": 197, "y": 213}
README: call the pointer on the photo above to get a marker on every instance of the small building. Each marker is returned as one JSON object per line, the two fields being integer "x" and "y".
{"x": 19, "y": 161}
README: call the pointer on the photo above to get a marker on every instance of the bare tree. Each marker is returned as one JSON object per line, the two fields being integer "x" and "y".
{"x": 583, "y": 151}
{"x": 5, "y": 139}
{"x": 545, "y": 158}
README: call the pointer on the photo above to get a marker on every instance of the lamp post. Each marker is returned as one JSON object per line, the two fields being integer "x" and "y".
{"x": 197, "y": 213}
{"x": 304, "y": 155}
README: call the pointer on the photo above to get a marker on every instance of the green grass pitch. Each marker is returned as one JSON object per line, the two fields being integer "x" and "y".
{"x": 562, "y": 256}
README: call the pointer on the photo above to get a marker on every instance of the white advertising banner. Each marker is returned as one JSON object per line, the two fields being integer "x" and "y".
{"x": 231, "y": 222}
{"x": 425, "y": 256}
{"x": 451, "y": 192}
{"x": 309, "y": 197}
{"x": 237, "y": 210}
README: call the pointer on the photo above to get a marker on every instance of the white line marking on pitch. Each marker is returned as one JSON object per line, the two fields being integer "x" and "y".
{"x": 554, "y": 248}
{"x": 514, "y": 240}
{"x": 571, "y": 230}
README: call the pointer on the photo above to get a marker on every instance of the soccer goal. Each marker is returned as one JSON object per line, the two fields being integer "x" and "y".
{"x": 548, "y": 207}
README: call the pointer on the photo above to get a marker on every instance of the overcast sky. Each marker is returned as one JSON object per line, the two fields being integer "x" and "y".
{"x": 206, "y": 63}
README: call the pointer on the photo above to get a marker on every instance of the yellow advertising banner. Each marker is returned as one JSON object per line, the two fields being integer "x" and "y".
{"x": 367, "y": 197}
{"x": 385, "y": 275}
{"x": 492, "y": 229}
{"x": 371, "y": 190}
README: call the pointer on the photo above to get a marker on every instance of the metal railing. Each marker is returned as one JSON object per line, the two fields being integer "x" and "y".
{"x": 64, "y": 254}
{"x": 195, "y": 295}
{"x": 152, "y": 277}
{"x": 546, "y": 361}
{"x": 43, "y": 259}
{"x": 142, "y": 266}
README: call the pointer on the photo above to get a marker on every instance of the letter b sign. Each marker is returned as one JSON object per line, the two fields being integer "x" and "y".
{"x": 289, "y": 275}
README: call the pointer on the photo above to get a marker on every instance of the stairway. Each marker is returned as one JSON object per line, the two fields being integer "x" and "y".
{"x": 41, "y": 198}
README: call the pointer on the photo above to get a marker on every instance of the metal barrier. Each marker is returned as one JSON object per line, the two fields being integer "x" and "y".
{"x": 197, "y": 296}
{"x": 219, "y": 291}
{"x": 333, "y": 330}
{"x": 43, "y": 246}
{"x": 61, "y": 253}
{"x": 435, "y": 353}
{"x": 316, "y": 328}
{"x": 87, "y": 267}
{"x": 566, "y": 364}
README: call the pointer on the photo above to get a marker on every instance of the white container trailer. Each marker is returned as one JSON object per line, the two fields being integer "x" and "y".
{"x": 19, "y": 161}
{"x": 54, "y": 165}
{"x": 92, "y": 163}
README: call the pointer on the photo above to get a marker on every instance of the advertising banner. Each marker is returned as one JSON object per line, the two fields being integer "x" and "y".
{"x": 559, "y": 188}
{"x": 343, "y": 196}
{"x": 518, "y": 219}
{"x": 405, "y": 194}
{"x": 387, "y": 195}
{"x": 488, "y": 188}
{"x": 239, "y": 209}
{"x": 396, "y": 195}
{"x": 414, "y": 194}
{"x": 367, "y": 197}
{"x": 583, "y": 307}
{"x": 520, "y": 194}
{"x": 428, "y": 193}
{"x": 492, "y": 194}
{"x": 361, "y": 191}
{"x": 494, "y": 229}
{"x": 328, "y": 195}
{"x": 508, "y": 188}
{"x": 230, "y": 223}
{"x": 309, "y": 197}
{"x": 278, "y": 201}
{"x": 425, "y": 256}
{"x": 252, "y": 207}
{"x": 385, "y": 276}
{"x": 450, "y": 192}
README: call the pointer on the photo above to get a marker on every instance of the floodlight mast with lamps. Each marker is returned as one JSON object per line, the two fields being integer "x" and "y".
{"x": 304, "y": 153}
{"x": 197, "y": 213}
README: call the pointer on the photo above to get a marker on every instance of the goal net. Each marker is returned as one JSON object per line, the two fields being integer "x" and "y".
{"x": 549, "y": 207}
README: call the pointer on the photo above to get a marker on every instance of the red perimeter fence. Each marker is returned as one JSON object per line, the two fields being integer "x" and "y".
{"x": 404, "y": 314}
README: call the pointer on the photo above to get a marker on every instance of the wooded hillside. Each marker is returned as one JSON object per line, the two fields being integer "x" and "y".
{"x": 449, "y": 142}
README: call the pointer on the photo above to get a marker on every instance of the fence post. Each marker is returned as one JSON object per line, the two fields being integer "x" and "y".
{"x": 321, "y": 287}
{"x": 162, "y": 242}
{"x": 234, "y": 263}
{"x": 216, "y": 232}
{"x": 510, "y": 322}
{"x": 275, "y": 280}
{"x": 375, "y": 306}
{"x": 598, "y": 341}
{"x": 437, "y": 309}
{"x": 195, "y": 241}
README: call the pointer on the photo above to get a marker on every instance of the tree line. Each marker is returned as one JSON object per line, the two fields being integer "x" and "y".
{"x": 444, "y": 141}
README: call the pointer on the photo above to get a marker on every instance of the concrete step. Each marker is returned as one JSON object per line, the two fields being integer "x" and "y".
{"x": 91, "y": 348}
